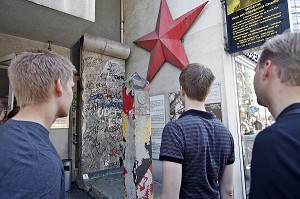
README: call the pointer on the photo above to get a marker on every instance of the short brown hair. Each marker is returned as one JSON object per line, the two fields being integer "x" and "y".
{"x": 196, "y": 81}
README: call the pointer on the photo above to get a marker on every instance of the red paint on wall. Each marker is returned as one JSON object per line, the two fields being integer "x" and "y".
{"x": 146, "y": 185}
{"x": 125, "y": 191}
{"x": 127, "y": 101}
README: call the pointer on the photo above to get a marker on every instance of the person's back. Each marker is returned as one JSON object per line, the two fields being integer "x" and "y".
{"x": 207, "y": 149}
{"x": 197, "y": 150}
{"x": 275, "y": 172}
{"x": 30, "y": 166}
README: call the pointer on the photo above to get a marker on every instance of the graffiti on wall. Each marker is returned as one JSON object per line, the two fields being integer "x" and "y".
{"x": 102, "y": 80}
{"x": 138, "y": 182}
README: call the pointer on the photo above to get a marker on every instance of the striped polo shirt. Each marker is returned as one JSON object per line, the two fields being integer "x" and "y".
{"x": 204, "y": 146}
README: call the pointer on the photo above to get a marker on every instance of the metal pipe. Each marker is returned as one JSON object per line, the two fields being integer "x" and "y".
{"x": 122, "y": 21}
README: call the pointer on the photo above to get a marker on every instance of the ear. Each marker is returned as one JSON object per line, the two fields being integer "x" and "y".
{"x": 58, "y": 87}
{"x": 267, "y": 69}
{"x": 182, "y": 92}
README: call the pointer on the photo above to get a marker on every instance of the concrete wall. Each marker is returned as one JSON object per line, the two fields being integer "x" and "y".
{"x": 107, "y": 22}
{"x": 203, "y": 43}
{"x": 86, "y": 11}
{"x": 10, "y": 44}
{"x": 103, "y": 73}
{"x": 101, "y": 136}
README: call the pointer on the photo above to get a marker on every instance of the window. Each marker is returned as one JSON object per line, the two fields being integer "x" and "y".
{"x": 253, "y": 117}
{"x": 295, "y": 12}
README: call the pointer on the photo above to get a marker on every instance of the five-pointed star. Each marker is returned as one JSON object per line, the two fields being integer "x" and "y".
{"x": 164, "y": 43}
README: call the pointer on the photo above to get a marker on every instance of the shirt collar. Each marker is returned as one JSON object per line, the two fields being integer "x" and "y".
{"x": 288, "y": 109}
{"x": 194, "y": 112}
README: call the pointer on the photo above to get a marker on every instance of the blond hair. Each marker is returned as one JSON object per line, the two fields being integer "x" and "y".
{"x": 32, "y": 74}
{"x": 284, "y": 51}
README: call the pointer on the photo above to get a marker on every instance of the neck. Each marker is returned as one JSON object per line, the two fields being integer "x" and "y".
{"x": 193, "y": 104}
{"x": 42, "y": 113}
{"x": 282, "y": 98}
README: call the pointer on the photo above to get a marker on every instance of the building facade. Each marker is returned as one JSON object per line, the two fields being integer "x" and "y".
{"x": 117, "y": 24}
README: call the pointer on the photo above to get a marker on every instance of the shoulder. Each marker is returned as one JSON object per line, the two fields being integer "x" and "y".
{"x": 220, "y": 125}
{"x": 172, "y": 127}
{"x": 179, "y": 125}
{"x": 266, "y": 139}
{"x": 268, "y": 132}
{"x": 14, "y": 133}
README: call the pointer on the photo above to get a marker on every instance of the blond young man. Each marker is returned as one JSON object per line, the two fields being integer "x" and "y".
{"x": 30, "y": 167}
{"x": 275, "y": 165}
{"x": 197, "y": 150}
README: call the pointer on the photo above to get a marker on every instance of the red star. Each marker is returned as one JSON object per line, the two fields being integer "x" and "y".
{"x": 164, "y": 43}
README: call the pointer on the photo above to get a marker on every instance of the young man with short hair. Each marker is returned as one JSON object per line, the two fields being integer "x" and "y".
{"x": 197, "y": 150}
{"x": 275, "y": 171}
{"x": 30, "y": 167}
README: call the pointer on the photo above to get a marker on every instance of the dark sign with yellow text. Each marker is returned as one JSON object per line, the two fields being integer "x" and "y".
{"x": 251, "y": 22}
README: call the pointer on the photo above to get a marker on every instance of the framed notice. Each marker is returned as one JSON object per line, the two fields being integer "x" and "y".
{"x": 158, "y": 121}
{"x": 251, "y": 22}
{"x": 214, "y": 95}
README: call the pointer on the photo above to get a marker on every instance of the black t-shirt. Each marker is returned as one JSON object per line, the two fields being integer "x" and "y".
{"x": 275, "y": 166}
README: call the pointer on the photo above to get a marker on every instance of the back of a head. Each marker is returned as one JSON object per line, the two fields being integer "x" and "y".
{"x": 196, "y": 81}
{"x": 284, "y": 51}
{"x": 32, "y": 74}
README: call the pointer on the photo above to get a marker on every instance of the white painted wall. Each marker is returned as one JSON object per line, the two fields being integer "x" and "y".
{"x": 82, "y": 9}
{"x": 59, "y": 138}
{"x": 11, "y": 44}
{"x": 204, "y": 44}
{"x": 107, "y": 20}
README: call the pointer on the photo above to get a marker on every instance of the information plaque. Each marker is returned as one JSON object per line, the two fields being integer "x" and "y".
{"x": 251, "y": 22}
{"x": 158, "y": 118}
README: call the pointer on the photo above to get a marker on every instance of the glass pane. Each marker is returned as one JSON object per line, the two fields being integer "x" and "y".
{"x": 253, "y": 117}
{"x": 295, "y": 11}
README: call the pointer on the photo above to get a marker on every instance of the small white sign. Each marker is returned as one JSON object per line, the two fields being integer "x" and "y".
{"x": 61, "y": 123}
{"x": 215, "y": 94}
{"x": 85, "y": 176}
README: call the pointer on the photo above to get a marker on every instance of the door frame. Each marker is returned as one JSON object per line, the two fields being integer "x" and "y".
{"x": 4, "y": 64}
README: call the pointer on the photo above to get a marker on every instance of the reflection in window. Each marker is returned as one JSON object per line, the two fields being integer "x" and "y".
{"x": 253, "y": 117}
{"x": 295, "y": 11}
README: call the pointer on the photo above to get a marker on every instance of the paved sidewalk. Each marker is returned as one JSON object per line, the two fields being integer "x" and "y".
{"x": 110, "y": 185}
{"x": 76, "y": 193}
